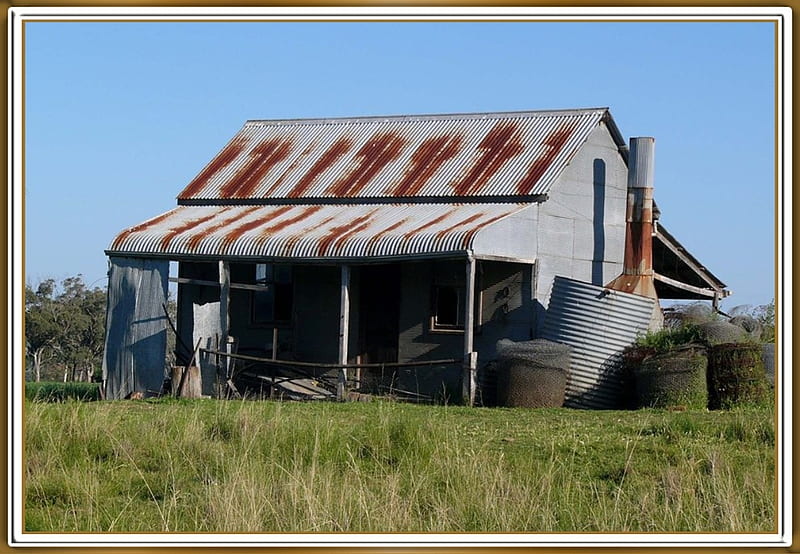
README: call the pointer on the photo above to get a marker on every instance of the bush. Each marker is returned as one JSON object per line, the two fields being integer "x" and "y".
{"x": 54, "y": 391}
{"x": 665, "y": 340}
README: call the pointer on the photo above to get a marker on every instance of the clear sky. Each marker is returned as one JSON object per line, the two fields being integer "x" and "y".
{"x": 121, "y": 116}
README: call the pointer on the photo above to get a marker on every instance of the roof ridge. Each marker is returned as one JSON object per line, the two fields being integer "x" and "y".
{"x": 426, "y": 117}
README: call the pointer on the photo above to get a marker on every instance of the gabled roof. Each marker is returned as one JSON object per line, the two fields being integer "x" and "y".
{"x": 445, "y": 157}
{"x": 319, "y": 232}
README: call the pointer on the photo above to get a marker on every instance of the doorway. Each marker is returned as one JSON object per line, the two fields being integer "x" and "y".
{"x": 379, "y": 313}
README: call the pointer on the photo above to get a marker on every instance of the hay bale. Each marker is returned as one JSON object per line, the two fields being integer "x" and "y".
{"x": 673, "y": 379}
{"x": 721, "y": 332}
{"x": 736, "y": 376}
{"x": 750, "y": 324}
{"x": 768, "y": 357}
{"x": 632, "y": 359}
{"x": 532, "y": 374}
{"x": 696, "y": 313}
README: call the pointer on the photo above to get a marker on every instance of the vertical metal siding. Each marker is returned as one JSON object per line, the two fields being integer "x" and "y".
{"x": 136, "y": 328}
{"x": 598, "y": 324}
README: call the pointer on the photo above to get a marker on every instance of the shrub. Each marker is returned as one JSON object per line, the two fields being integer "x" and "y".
{"x": 54, "y": 391}
{"x": 668, "y": 339}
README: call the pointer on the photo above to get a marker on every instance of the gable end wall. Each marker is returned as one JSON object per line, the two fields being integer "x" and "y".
{"x": 581, "y": 226}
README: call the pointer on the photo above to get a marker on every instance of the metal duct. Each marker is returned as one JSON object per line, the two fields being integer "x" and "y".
{"x": 637, "y": 273}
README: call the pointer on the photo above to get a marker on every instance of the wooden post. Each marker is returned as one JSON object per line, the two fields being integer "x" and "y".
{"x": 470, "y": 374}
{"x": 224, "y": 300}
{"x": 344, "y": 328}
{"x": 224, "y": 307}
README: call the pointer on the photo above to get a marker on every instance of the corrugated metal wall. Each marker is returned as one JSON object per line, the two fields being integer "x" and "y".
{"x": 136, "y": 328}
{"x": 598, "y": 324}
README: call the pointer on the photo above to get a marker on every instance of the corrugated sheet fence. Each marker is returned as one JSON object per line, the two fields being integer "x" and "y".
{"x": 598, "y": 324}
{"x": 136, "y": 327}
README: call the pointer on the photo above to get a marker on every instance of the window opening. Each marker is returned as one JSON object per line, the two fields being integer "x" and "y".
{"x": 274, "y": 303}
{"x": 448, "y": 305}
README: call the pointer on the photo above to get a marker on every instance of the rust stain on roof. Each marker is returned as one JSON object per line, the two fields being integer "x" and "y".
{"x": 292, "y": 166}
{"x": 427, "y": 225}
{"x": 468, "y": 236}
{"x": 269, "y": 230}
{"x": 232, "y": 235}
{"x": 220, "y": 162}
{"x": 554, "y": 142}
{"x": 425, "y": 161}
{"x": 291, "y": 241}
{"x": 337, "y": 235}
{"x": 141, "y": 227}
{"x": 379, "y": 151}
{"x": 377, "y": 236}
{"x": 498, "y": 146}
{"x": 195, "y": 239}
{"x": 262, "y": 158}
{"x": 336, "y": 151}
{"x": 466, "y": 221}
{"x": 185, "y": 226}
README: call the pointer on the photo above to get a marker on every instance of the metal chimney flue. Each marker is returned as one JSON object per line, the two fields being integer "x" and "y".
{"x": 637, "y": 273}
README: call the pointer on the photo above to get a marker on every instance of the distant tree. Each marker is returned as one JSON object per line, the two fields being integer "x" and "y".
{"x": 65, "y": 328}
{"x": 766, "y": 316}
{"x": 42, "y": 326}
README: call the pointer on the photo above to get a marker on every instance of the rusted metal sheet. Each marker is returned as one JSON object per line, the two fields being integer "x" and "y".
{"x": 598, "y": 324}
{"x": 313, "y": 231}
{"x": 472, "y": 155}
{"x": 637, "y": 271}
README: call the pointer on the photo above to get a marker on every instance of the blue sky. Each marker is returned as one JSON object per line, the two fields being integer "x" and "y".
{"x": 121, "y": 116}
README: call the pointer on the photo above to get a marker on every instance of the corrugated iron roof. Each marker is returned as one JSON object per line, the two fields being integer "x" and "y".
{"x": 451, "y": 156}
{"x": 312, "y": 231}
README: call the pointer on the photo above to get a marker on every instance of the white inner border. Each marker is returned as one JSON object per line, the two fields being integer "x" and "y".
{"x": 17, "y": 16}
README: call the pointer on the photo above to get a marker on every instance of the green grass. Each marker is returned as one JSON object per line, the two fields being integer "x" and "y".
{"x": 56, "y": 391}
{"x": 667, "y": 339}
{"x": 241, "y": 466}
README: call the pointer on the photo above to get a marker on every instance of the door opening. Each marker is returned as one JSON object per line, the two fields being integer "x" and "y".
{"x": 379, "y": 312}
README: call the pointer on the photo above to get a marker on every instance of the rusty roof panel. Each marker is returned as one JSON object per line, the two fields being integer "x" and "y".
{"x": 313, "y": 232}
{"x": 473, "y": 155}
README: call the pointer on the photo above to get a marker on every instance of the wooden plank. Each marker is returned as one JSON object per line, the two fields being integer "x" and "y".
{"x": 185, "y": 372}
{"x": 201, "y": 282}
{"x": 447, "y": 361}
{"x": 684, "y": 286}
{"x": 344, "y": 330}
{"x": 301, "y": 386}
{"x": 233, "y": 389}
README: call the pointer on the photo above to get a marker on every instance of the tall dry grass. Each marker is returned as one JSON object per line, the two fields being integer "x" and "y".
{"x": 240, "y": 467}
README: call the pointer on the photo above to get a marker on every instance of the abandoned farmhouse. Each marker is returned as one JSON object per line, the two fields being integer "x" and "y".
{"x": 395, "y": 252}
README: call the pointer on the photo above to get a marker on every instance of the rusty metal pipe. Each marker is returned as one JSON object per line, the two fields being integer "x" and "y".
{"x": 637, "y": 266}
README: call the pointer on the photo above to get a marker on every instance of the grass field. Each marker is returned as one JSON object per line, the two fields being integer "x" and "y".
{"x": 243, "y": 466}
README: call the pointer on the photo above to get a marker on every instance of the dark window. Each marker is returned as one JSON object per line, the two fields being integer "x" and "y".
{"x": 273, "y": 304}
{"x": 448, "y": 307}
